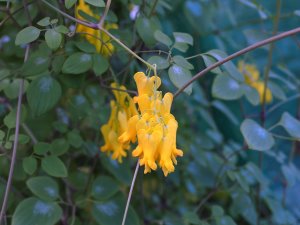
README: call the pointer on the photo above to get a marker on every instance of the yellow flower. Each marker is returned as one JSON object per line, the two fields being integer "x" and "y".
{"x": 155, "y": 127}
{"x": 259, "y": 86}
{"x": 99, "y": 39}
{"x": 121, "y": 110}
{"x": 251, "y": 75}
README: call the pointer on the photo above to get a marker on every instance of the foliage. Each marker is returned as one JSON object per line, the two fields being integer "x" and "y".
{"x": 238, "y": 126}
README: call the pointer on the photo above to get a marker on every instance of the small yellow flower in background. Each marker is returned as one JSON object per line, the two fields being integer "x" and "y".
{"x": 155, "y": 127}
{"x": 121, "y": 110}
{"x": 251, "y": 75}
{"x": 99, "y": 39}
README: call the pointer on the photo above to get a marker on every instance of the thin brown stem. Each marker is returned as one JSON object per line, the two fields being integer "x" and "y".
{"x": 130, "y": 192}
{"x": 100, "y": 24}
{"x": 236, "y": 54}
{"x": 15, "y": 146}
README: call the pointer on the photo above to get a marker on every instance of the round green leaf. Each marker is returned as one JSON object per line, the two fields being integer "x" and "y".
{"x": 44, "y": 22}
{"x": 224, "y": 87}
{"x": 27, "y": 35}
{"x": 53, "y": 166}
{"x": 162, "y": 38}
{"x": 59, "y": 146}
{"x": 291, "y": 125}
{"x": 43, "y": 187}
{"x": 208, "y": 61}
{"x": 11, "y": 89}
{"x": 97, "y": 3}
{"x": 74, "y": 139}
{"x": 86, "y": 47}
{"x": 161, "y": 63}
{"x": 183, "y": 38}
{"x": 35, "y": 211}
{"x": 146, "y": 28}
{"x": 111, "y": 212}
{"x": 77, "y": 63}
{"x": 251, "y": 94}
{"x": 256, "y": 136}
{"x": 29, "y": 165}
{"x": 42, "y": 94}
{"x": 70, "y": 3}
{"x": 41, "y": 148}
{"x": 53, "y": 39}
{"x": 182, "y": 62}
{"x": 180, "y": 76}
{"x": 35, "y": 65}
{"x": 100, "y": 64}
{"x": 104, "y": 187}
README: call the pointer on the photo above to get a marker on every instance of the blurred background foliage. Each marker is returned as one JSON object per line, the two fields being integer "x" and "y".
{"x": 61, "y": 177}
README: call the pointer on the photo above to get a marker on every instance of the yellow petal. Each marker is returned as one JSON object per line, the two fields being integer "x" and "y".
{"x": 250, "y": 72}
{"x": 130, "y": 133}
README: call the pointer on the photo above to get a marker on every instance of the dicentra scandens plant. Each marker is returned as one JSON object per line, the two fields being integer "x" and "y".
{"x": 251, "y": 75}
{"x": 99, "y": 39}
{"x": 154, "y": 127}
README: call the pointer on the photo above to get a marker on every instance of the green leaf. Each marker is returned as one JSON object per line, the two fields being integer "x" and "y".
{"x": 180, "y": 76}
{"x": 44, "y": 187}
{"x": 290, "y": 124}
{"x": 120, "y": 170}
{"x": 86, "y": 47}
{"x": 44, "y": 22}
{"x": 191, "y": 218}
{"x": 162, "y": 38}
{"x": 11, "y": 90}
{"x": 224, "y": 87}
{"x": 228, "y": 66}
{"x": 161, "y": 63}
{"x": 53, "y": 166}
{"x": 2, "y": 135}
{"x": 77, "y": 63}
{"x": 41, "y": 148}
{"x": 97, "y": 3}
{"x": 61, "y": 29}
{"x": 251, "y": 94}
{"x": 146, "y": 28}
{"x": 181, "y": 46}
{"x": 10, "y": 118}
{"x": 100, "y": 64}
{"x": 53, "y": 39}
{"x": 256, "y": 136}
{"x": 42, "y": 94}
{"x": 104, "y": 187}
{"x": 35, "y": 65}
{"x": 29, "y": 165}
{"x": 111, "y": 212}
{"x": 59, "y": 147}
{"x": 183, "y": 38}
{"x": 217, "y": 211}
{"x": 208, "y": 61}
{"x": 35, "y": 211}
{"x": 276, "y": 90}
{"x": 4, "y": 73}
{"x": 27, "y": 35}
{"x": 182, "y": 62}
{"x": 74, "y": 138}
{"x": 226, "y": 220}
{"x": 70, "y": 3}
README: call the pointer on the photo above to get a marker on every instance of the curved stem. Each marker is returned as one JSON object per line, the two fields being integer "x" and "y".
{"x": 130, "y": 192}
{"x": 236, "y": 54}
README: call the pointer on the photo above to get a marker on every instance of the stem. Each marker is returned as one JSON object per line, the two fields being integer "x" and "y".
{"x": 130, "y": 192}
{"x": 16, "y": 139}
{"x": 100, "y": 24}
{"x": 153, "y": 8}
{"x": 236, "y": 54}
{"x": 283, "y": 102}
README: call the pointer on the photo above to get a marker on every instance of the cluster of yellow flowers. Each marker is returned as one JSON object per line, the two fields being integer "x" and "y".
{"x": 154, "y": 127}
{"x": 99, "y": 39}
{"x": 121, "y": 110}
{"x": 251, "y": 75}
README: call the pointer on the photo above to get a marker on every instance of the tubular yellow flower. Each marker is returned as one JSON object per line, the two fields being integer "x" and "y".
{"x": 121, "y": 111}
{"x": 99, "y": 39}
{"x": 251, "y": 75}
{"x": 155, "y": 127}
